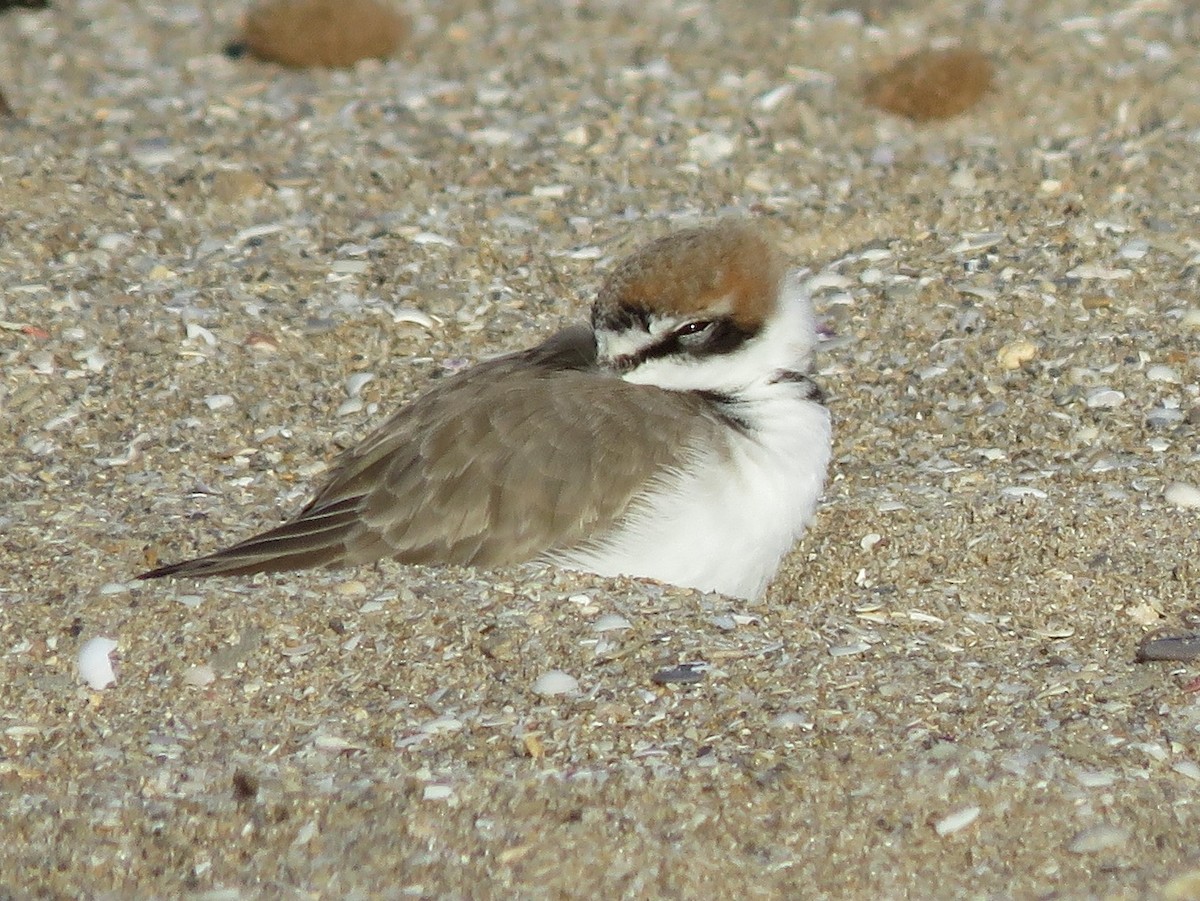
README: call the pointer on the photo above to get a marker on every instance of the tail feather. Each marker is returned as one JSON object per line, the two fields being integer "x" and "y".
{"x": 315, "y": 538}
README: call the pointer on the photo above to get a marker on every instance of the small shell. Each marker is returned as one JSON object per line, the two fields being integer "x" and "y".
{"x": 555, "y": 682}
{"x": 95, "y": 667}
{"x": 1181, "y": 494}
{"x": 954, "y": 822}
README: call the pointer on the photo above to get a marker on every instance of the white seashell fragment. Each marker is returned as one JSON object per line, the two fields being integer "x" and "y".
{"x": 358, "y": 381}
{"x": 199, "y": 676}
{"x": 1023, "y": 491}
{"x": 1163, "y": 373}
{"x": 1187, "y": 768}
{"x": 442, "y": 724}
{"x": 848, "y": 650}
{"x": 611, "y": 622}
{"x": 438, "y": 792}
{"x": 972, "y": 241}
{"x": 152, "y": 155}
{"x": 1181, "y": 494}
{"x": 195, "y": 330}
{"x": 869, "y": 540}
{"x": 793, "y": 720}
{"x": 327, "y": 741}
{"x": 577, "y": 136}
{"x": 219, "y": 401}
{"x": 42, "y": 362}
{"x": 93, "y": 359}
{"x": 710, "y": 148}
{"x": 113, "y": 241}
{"x": 954, "y": 822}
{"x": 1098, "y": 838}
{"x": 772, "y": 98}
{"x": 350, "y": 406}
{"x": 1096, "y": 778}
{"x": 95, "y": 667}
{"x": 1092, "y": 270}
{"x": 432, "y": 238}
{"x": 258, "y": 231}
{"x": 555, "y": 682}
{"x": 1134, "y": 250}
{"x": 413, "y": 315}
{"x": 1104, "y": 398}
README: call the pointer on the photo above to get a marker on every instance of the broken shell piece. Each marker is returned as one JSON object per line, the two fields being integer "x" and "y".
{"x": 95, "y": 667}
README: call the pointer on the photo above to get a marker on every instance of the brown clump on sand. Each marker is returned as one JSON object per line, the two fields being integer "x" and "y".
{"x": 931, "y": 84}
{"x": 322, "y": 33}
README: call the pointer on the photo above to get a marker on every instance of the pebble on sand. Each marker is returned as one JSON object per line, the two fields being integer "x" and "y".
{"x": 931, "y": 84}
{"x": 322, "y": 33}
{"x": 1016, "y": 354}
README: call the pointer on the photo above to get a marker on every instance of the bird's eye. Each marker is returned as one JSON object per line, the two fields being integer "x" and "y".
{"x": 693, "y": 328}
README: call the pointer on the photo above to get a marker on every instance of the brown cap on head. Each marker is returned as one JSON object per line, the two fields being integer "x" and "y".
{"x": 729, "y": 268}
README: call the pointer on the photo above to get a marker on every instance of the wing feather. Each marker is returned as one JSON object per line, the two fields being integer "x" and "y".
{"x": 494, "y": 466}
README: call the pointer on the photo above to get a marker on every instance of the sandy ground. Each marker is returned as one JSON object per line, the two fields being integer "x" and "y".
{"x": 200, "y": 259}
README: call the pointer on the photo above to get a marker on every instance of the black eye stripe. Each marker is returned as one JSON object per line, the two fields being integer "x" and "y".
{"x": 724, "y": 337}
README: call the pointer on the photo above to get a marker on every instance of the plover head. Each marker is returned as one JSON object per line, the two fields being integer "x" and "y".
{"x": 706, "y": 309}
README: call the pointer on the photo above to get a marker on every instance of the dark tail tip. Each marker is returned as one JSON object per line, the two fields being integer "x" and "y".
{"x": 160, "y": 572}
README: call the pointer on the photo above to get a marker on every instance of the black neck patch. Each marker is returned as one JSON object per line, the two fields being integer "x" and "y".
{"x": 725, "y": 408}
{"x": 799, "y": 378}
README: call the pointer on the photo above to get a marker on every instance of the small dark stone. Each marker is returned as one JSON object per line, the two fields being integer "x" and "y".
{"x": 245, "y": 786}
{"x": 1169, "y": 647}
{"x": 684, "y": 674}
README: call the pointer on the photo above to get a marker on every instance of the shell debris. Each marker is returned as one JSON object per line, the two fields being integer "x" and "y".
{"x": 555, "y": 682}
{"x": 95, "y": 665}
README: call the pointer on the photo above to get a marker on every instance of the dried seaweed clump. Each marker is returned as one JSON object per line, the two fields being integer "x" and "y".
{"x": 931, "y": 84}
{"x": 321, "y": 33}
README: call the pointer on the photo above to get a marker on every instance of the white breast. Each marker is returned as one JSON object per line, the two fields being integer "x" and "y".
{"x": 725, "y": 522}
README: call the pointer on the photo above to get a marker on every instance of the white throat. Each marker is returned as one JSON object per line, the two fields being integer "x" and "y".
{"x": 724, "y": 519}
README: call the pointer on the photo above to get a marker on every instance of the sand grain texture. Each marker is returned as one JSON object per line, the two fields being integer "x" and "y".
{"x": 937, "y": 697}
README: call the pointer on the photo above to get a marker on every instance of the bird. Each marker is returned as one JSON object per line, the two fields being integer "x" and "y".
{"x": 678, "y": 437}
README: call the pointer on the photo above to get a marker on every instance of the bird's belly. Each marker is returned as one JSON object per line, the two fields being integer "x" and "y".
{"x": 726, "y": 522}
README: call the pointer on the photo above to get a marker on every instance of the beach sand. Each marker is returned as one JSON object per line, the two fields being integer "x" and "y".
{"x": 215, "y": 274}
